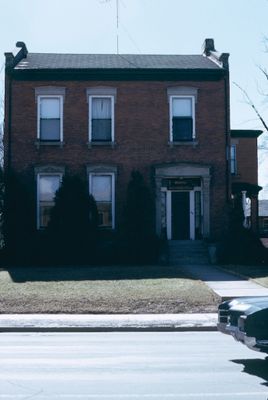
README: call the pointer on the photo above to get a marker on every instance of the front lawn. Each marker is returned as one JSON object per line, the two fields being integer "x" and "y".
{"x": 113, "y": 289}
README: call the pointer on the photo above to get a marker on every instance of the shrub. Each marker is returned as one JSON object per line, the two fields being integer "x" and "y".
{"x": 241, "y": 245}
{"x": 18, "y": 221}
{"x": 72, "y": 230}
{"x": 139, "y": 221}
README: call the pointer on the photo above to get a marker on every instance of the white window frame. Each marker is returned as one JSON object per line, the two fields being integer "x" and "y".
{"x": 91, "y": 174}
{"x": 171, "y": 98}
{"x": 48, "y": 96}
{"x": 39, "y": 175}
{"x": 90, "y": 98}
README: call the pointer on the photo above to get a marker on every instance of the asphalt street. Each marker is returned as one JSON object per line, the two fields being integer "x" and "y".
{"x": 129, "y": 365}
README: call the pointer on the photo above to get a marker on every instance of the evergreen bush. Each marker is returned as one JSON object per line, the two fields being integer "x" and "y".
{"x": 18, "y": 220}
{"x": 139, "y": 221}
{"x": 72, "y": 229}
{"x": 241, "y": 245}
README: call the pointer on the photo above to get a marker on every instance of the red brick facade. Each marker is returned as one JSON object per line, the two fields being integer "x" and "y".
{"x": 142, "y": 124}
{"x": 245, "y": 176}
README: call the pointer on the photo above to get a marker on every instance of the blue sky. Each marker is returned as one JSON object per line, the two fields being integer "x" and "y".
{"x": 238, "y": 27}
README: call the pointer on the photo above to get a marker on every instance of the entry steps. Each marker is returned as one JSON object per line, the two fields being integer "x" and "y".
{"x": 187, "y": 252}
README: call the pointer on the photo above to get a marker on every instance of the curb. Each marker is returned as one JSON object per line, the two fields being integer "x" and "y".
{"x": 108, "y": 323}
{"x": 112, "y": 329}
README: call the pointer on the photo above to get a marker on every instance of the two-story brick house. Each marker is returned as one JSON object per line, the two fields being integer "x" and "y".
{"x": 102, "y": 116}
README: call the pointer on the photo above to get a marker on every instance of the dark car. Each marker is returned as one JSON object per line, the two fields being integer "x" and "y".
{"x": 246, "y": 319}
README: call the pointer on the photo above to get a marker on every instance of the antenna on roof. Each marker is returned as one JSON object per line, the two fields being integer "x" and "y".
{"x": 117, "y": 22}
{"x": 117, "y": 27}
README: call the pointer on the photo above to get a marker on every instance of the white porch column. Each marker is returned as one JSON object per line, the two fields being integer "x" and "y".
{"x": 206, "y": 206}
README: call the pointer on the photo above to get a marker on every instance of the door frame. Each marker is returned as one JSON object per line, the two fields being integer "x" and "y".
{"x": 191, "y": 211}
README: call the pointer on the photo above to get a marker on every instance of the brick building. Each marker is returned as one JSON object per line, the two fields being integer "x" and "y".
{"x": 102, "y": 116}
{"x": 244, "y": 172}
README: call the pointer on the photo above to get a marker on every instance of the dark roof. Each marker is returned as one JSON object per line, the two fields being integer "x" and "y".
{"x": 249, "y": 187}
{"x": 47, "y": 61}
{"x": 246, "y": 133}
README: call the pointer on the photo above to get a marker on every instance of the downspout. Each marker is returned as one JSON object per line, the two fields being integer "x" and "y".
{"x": 8, "y": 111}
{"x": 9, "y": 116}
{"x": 227, "y": 135}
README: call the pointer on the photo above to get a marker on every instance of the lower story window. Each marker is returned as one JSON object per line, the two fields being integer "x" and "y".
{"x": 48, "y": 184}
{"x": 102, "y": 188}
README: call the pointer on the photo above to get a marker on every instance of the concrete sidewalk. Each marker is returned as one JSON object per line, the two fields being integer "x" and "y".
{"x": 223, "y": 283}
{"x": 102, "y": 323}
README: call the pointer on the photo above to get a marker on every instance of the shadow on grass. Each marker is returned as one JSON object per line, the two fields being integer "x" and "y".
{"x": 257, "y": 367}
{"x": 251, "y": 271}
{"x": 81, "y": 273}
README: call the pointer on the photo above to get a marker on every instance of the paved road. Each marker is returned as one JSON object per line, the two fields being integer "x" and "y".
{"x": 129, "y": 366}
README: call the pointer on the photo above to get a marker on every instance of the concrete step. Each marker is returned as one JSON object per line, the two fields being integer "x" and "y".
{"x": 187, "y": 252}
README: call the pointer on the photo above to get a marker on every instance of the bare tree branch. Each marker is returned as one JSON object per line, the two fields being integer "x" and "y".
{"x": 264, "y": 71}
{"x": 250, "y": 102}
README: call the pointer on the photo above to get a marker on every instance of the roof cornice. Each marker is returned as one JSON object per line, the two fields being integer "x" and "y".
{"x": 245, "y": 133}
{"x": 118, "y": 74}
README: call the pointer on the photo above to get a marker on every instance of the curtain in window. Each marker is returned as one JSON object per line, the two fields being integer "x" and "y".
{"x": 101, "y": 119}
{"x": 101, "y": 108}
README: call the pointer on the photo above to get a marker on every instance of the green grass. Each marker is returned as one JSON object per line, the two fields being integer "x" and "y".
{"x": 113, "y": 289}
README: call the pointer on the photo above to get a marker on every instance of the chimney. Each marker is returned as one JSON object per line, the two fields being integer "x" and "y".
{"x": 208, "y": 46}
{"x": 23, "y": 49}
{"x": 11, "y": 60}
{"x": 221, "y": 59}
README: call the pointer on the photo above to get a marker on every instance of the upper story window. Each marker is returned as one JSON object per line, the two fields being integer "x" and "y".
{"x": 101, "y": 101}
{"x": 182, "y": 118}
{"x": 49, "y": 100}
{"x": 182, "y": 102}
{"x": 101, "y": 118}
{"x": 50, "y": 118}
{"x": 47, "y": 185}
{"x": 233, "y": 159}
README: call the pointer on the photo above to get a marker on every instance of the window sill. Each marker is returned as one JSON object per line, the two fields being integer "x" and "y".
{"x": 107, "y": 144}
{"x": 39, "y": 143}
{"x": 193, "y": 143}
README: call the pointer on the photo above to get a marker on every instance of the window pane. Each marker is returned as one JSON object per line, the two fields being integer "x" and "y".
{"x": 44, "y": 214}
{"x": 233, "y": 159}
{"x": 182, "y": 129}
{"x": 182, "y": 107}
{"x": 50, "y": 129}
{"x": 50, "y": 108}
{"x": 105, "y": 214}
{"x": 48, "y": 185}
{"x": 101, "y": 108}
{"x": 101, "y": 130}
{"x": 102, "y": 188}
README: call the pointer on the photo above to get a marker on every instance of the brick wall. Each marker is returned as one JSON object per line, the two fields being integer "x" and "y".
{"x": 247, "y": 160}
{"x": 141, "y": 134}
